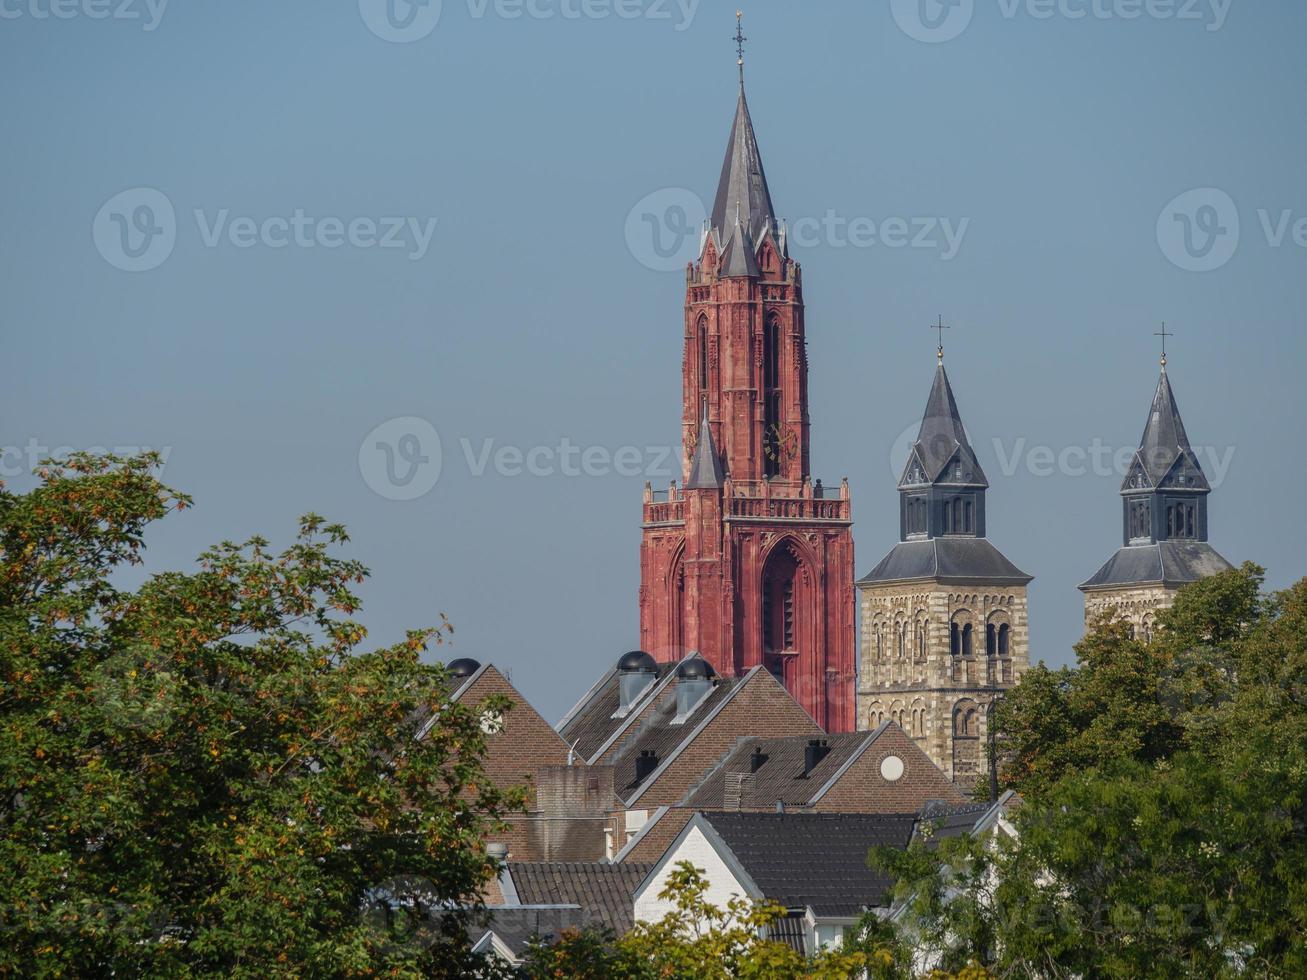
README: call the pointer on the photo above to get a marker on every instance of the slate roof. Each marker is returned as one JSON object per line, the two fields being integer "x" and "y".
{"x": 706, "y": 467}
{"x": 1168, "y": 563}
{"x": 1165, "y": 441}
{"x": 940, "y": 820}
{"x": 947, "y": 559}
{"x": 781, "y": 776}
{"x": 815, "y": 860}
{"x": 604, "y": 892}
{"x": 942, "y": 440}
{"x": 591, "y": 723}
{"x": 515, "y": 925}
{"x": 743, "y": 182}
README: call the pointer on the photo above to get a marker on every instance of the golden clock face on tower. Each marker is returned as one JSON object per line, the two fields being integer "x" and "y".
{"x": 779, "y": 443}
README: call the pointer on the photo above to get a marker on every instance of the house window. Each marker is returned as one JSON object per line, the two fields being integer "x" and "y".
{"x": 991, "y": 640}
{"x": 1004, "y": 639}
{"x": 970, "y": 519}
{"x": 955, "y": 640}
{"x": 966, "y": 641}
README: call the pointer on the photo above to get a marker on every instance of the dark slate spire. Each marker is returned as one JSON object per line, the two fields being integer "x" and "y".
{"x": 743, "y": 183}
{"x": 705, "y": 467}
{"x": 740, "y": 258}
{"x": 942, "y": 454}
{"x": 1164, "y": 508}
{"x": 1164, "y": 455}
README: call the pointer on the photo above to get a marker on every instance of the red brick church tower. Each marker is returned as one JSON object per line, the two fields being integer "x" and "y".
{"x": 750, "y": 562}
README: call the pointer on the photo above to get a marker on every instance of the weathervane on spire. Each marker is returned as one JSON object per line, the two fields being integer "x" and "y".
{"x": 941, "y": 327}
{"x": 739, "y": 40}
{"x": 1163, "y": 334}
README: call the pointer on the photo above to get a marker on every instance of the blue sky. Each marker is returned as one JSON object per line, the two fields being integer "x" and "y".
{"x": 503, "y": 155}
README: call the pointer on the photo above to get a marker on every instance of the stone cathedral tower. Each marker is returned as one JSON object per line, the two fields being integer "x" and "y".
{"x": 750, "y": 561}
{"x": 1163, "y": 523}
{"x": 943, "y": 617}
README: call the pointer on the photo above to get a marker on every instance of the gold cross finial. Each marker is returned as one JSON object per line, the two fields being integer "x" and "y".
{"x": 1163, "y": 333}
{"x": 941, "y": 327}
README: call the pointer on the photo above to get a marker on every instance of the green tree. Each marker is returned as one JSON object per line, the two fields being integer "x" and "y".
{"x": 205, "y": 774}
{"x": 697, "y": 940}
{"x": 1166, "y": 835}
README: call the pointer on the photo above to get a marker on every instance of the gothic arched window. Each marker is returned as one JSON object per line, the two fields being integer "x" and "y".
{"x": 703, "y": 355}
{"x": 771, "y": 383}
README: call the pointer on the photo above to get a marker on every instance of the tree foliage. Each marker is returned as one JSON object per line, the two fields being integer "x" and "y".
{"x": 206, "y": 774}
{"x": 696, "y": 940}
{"x": 1163, "y": 824}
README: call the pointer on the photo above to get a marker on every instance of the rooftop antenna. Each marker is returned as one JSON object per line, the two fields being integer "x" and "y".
{"x": 739, "y": 40}
{"x": 1163, "y": 333}
{"x": 941, "y": 327}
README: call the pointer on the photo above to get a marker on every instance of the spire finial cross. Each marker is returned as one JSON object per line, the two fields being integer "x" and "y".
{"x": 941, "y": 327}
{"x": 739, "y": 40}
{"x": 1163, "y": 333}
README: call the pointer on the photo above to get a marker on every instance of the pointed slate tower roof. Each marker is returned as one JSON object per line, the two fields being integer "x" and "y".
{"x": 942, "y": 452}
{"x": 705, "y": 467}
{"x": 743, "y": 183}
{"x": 1164, "y": 451}
{"x": 740, "y": 258}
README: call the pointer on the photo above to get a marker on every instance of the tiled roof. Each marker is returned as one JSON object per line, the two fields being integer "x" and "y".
{"x": 779, "y": 778}
{"x": 657, "y": 733}
{"x": 591, "y": 723}
{"x": 818, "y": 860}
{"x": 603, "y": 891}
{"x": 515, "y": 925}
{"x": 940, "y": 820}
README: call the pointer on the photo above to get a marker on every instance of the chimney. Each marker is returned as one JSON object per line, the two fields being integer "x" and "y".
{"x": 816, "y": 750}
{"x": 757, "y": 759}
{"x": 645, "y": 763}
